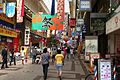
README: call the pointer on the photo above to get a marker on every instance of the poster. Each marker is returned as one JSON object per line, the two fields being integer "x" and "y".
{"x": 105, "y": 69}
{"x": 91, "y": 45}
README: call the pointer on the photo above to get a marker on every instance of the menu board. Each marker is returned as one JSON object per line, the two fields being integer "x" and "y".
{"x": 105, "y": 69}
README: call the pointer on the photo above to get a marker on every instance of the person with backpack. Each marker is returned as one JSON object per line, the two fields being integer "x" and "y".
{"x": 45, "y": 57}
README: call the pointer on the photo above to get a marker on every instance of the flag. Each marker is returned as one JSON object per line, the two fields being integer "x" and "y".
{"x": 53, "y": 7}
{"x": 42, "y": 21}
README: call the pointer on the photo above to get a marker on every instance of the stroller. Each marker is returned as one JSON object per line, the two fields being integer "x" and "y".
{"x": 38, "y": 59}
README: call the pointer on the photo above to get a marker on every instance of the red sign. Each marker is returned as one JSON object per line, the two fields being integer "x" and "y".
{"x": 20, "y": 10}
{"x": 72, "y": 22}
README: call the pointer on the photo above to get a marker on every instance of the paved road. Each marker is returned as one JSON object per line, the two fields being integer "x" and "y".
{"x": 72, "y": 70}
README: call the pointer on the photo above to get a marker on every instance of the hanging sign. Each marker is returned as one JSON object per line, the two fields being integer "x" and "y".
{"x": 10, "y": 9}
{"x": 27, "y": 36}
{"x": 19, "y": 10}
{"x": 85, "y": 5}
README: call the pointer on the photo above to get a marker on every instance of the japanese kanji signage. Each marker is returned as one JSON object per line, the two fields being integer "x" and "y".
{"x": 10, "y": 10}
{"x": 20, "y": 10}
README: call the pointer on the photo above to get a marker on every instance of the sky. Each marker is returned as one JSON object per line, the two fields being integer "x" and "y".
{"x": 49, "y": 3}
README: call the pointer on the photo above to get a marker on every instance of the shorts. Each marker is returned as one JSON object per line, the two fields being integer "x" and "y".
{"x": 59, "y": 67}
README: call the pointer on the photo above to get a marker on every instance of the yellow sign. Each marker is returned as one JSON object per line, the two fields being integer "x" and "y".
{"x": 6, "y": 32}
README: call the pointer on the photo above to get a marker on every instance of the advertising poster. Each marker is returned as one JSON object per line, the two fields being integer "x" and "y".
{"x": 91, "y": 45}
{"x": 10, "y": 10}
{"x": 104, "y": 69}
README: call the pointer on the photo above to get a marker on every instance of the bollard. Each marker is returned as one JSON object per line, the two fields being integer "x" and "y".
{"x": 114, "y": 72}
{"x": 95, "y": 73}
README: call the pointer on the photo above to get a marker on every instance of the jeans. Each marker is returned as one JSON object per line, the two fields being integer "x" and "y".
{"x": 12, "y": 59}
{"x": 4, "y": 62}
{"x": 45, "y": 70}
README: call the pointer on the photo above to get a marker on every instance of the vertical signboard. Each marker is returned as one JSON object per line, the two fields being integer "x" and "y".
{"x": 10, "y": 9}
{"x": 20, "y": 3}
{"x": 91, "y": 45}
{"x": 27, "y": 36}
{"x": 104, "y": 69}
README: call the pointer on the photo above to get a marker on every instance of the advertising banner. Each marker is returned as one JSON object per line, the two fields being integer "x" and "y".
{"x": 104, "y": 69}
{"x": 10, "y": 9}
{"x": 91, "y": 45}
{"x": 19, "y": 10}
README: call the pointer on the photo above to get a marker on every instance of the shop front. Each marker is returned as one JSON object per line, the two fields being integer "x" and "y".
{"x": 113, "y": 32}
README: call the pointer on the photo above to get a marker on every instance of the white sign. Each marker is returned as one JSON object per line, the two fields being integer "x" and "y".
{"x": 105, "y": 69}
{"x": 113, "y": 24}
{"x": 19, "y": 11}
{"x": 85, "y": 5}
{"x": 27, "y": 36}
{"x": 80, "y": 21}
{"x": 91, "y": 45}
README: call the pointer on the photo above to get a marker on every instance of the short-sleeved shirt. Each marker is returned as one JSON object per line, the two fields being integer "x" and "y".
{"x": 45, "y": 58}
{"x": 59, "y": 58}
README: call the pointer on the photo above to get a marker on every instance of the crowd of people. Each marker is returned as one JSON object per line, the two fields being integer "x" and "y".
{"x": 57, "y": 56}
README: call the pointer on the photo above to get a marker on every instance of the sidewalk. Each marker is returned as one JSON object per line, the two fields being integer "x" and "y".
{"x": 85, "y": 67}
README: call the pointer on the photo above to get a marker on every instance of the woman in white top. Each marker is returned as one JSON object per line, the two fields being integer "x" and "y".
{"x": 22, "y": 55}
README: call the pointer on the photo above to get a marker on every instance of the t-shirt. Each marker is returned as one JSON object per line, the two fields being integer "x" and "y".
{"x": 45, "y": 58}
{"x": 59, "y": 58}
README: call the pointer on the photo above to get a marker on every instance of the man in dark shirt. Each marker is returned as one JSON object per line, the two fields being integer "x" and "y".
{"x": 4, "y": 58}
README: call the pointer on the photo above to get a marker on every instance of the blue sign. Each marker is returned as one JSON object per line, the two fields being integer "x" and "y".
{"x": 85, "y": 5}
{"x": 10, "y": 9}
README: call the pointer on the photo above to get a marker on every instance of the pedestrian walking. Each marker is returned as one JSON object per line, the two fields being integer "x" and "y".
{"x": 59, "y": 62}
{"x": 68, "y": 52}
{"x": 71, "y": 53}
{"x": 4, "y": 58}
{"x": 45, "y": 57}
{"x": 23, "y": 55}
{"x": 34, "y": 54}
{"x": 12, "y": 57}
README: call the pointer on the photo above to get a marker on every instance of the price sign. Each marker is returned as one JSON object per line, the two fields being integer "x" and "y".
{"x": 105, "y": 69}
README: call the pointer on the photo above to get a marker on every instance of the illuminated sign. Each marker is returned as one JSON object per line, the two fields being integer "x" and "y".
{"x": 85, "y": 5}
{"x": 104, "y": 69}
{"x": 10, "y": 10}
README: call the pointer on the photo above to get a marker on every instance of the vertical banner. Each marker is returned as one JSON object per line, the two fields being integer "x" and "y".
{"x": 61, "y": 12}
{"x": 19, "y": 10}
{"x": 16, "y": 43}
{"x": 10, "y": 9}
{"x": 27, "y": 36}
